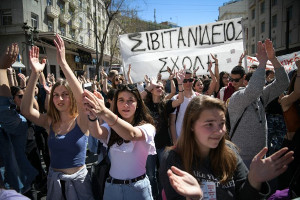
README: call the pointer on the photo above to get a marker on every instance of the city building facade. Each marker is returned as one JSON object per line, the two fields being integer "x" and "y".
{"x": 74, "y": 20}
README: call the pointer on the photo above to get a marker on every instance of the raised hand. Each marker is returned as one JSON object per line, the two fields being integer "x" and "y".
{"x": 215, "y": 58}
{"x": 184, "y": 183}
{"x": 22, "y": 80}
{"x": 261, "y": 54}
{"x": 93, "y": 105}
{"x": 129, "y": 69}
{"x": 47, "y": 88}
{"x": 60, "y": 50}
{"x": 35, "y": 64}
{"x": 103, "y": 74}
{"x": 10, "y": 56}
{"x": 270, "y": 49}
{"x": 180, "y": 76}
{"x": 209, "y": 66}
{"x": 265, "y": 169}
{"x": 146, "y": 78}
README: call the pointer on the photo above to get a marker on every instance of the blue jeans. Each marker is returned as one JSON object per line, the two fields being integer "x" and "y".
{"x": 152, "y": 170}
{"x": 17, "y": 170}
{"x": 140, "y": 190}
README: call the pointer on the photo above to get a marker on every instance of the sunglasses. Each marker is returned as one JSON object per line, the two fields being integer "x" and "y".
{"x": 20, "y": 96}
{"x": 128, "y": 86}
{"x": 235, "y": 79}
{"x": 188, "y": 80}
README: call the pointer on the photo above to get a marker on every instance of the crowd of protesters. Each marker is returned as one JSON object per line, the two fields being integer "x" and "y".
{"x": 216, "y": 136}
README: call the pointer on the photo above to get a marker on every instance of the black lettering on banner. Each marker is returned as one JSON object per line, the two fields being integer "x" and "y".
{"x": 148, "y": 41}
{"x": 170, "y": 31}
{"x": 233, "y": 31}
{"x": 165, "y": 63}
{"x": 175, "y": 63}
{"x": 195, "y": 63}
{"x": 154, "y": 41}
{"x": 162, "y": 39}
{"x": 190, "y": 33}
{"x": 205, "y": 32}
{"x": 224, "y": 32}
{"x": 189, "y": 60}
{"x": 180, "y": 37}
{"x": 135, "y": 37}
{"x": 240, "y": 33}
{"x": 213, "y": 34}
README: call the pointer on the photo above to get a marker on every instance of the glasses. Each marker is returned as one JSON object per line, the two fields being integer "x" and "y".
{"x": 20, "y": 96}
{"x": 235, "y": 79}
{"x": 188, "y": 80}
{"x": 128, "y": 86}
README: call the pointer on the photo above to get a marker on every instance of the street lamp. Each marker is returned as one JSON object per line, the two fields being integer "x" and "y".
{"x": 31, "y": 34}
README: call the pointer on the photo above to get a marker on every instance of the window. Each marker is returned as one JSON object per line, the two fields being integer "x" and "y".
{"x": 50, "y": 26}
{"x": 262, "y": 27}
{"x": 62, "y": 29}
{"x": 6, "y": 17}
{"x": 262, "y": 7}
{"x": 89, "y": 30}
{"x": 290, "y": 12}
{"x": 49, "y": 3}
{"x": 61, "y": 5}
{"x": 253, "y": 32}
{"x": 274, "y": 3}
{"x": 80, "y": 23}
{"x": 274, "y": 21}
{"x": 34, "y": 20}
{"x": 81, "y": 39}
{"x": 253, "y": 48}
{"x": 72, "y": 33}
{"x": 274, "y": 41}
{"x": 253, "y": 13}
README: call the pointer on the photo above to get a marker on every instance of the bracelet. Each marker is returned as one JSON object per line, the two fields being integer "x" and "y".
{"x": 114, "y": 122}
{"x": 181, "y": 91}
{"x": 92, "y": 120}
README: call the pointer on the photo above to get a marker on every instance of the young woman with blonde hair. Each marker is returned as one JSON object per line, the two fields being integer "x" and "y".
{"x": 67, "y": 125}
{"x": 203, "y": 151}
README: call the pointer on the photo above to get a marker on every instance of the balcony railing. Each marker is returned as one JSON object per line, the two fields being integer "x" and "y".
{"x": 64, "y": 18}
{"x": 52, "y": 11}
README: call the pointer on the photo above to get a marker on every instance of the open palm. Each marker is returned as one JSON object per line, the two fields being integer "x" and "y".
{"x": 34, "y": 60}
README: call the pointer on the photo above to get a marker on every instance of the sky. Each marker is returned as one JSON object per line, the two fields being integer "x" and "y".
{"x": 181, "y": 12}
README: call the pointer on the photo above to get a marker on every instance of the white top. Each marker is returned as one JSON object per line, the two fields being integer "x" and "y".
{"x": 181, "y": 112}
{"x": 128, "y": 161}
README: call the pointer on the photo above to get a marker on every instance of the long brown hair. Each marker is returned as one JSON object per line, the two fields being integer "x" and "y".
{"x": 53, "y": 113}
{"x": 222, "y": 159}
{"x": 141, "y": 115}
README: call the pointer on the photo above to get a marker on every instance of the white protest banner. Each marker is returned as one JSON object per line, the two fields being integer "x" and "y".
{"x": 153, "y": 51}
{"x": 287, "y": 61}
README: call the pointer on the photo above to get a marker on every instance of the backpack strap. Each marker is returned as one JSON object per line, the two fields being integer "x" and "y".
{"x": 236, "y": 124}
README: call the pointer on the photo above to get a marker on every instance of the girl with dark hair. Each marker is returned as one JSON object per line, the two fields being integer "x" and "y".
{"x": 129, "y": 133}
{"x": 67, "y": 126}
{"x": 203, "y": 151}
{"x": 198, "y": 86}
{"x": 160, "y": 108}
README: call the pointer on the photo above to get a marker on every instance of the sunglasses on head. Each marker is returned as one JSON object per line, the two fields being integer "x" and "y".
{"x": 188, "y": 80}
{"x": 235, "y": 79}
{"x": 129, "y": 86}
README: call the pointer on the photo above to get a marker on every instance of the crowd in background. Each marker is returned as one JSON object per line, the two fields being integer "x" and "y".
{"x": 189, "y": 136}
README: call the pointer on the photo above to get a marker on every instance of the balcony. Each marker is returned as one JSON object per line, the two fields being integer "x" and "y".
{"x": 75, "y": 23}
{"x": 64, "y": 18}
{"x": 52, "y": 11}
{"x": 74, "y": 3}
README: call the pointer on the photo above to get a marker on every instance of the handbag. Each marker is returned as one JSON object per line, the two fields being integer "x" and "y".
{"x": 99, "y": 174}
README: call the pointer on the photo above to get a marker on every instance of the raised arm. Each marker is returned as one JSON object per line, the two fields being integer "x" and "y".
{"x": 217, "y": 72}
{"x": 241, "y": 58}
{"x": 128, "y": 75}
{"x": 173, "y": 87}
{"x": 6, "y": 61}
{"x": 180, "y": 77}
{"x": 213, "y": 82}
{"x": 122, "y": 128}
{"x": 72, "y": 80}
{"x": 27, "y": 105}
{"x": 104, "y": 76}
